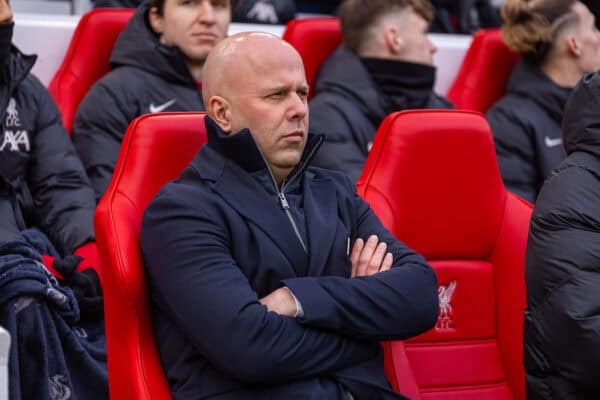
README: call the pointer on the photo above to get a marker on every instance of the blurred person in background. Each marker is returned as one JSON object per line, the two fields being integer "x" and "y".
{"x": 156, "y": 66}
{"x": 46, "y": 214}
{"x": 562, "y": 320}
{"x": 384, "y": 64}
{"x": 559, "y": 42}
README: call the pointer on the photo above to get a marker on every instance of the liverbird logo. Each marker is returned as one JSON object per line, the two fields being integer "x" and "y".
{"x": 263, "y": 11}
{"x": 445, "y": 293}
{"x": 59, "y": 389}
{"x": 12, "y": 115}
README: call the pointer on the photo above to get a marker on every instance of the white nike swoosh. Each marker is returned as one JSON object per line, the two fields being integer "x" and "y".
{"x": 161, "y": 107}
{"x": 552, "y": 142}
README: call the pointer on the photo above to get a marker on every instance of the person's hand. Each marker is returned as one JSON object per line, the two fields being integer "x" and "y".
{"x": 280, "y": 301}
{"x": 370, "y": 258}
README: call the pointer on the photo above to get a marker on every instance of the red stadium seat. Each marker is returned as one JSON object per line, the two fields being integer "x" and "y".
{"x": 315, "y": 39}
{"x": 432, "y": 178}
{"x": 87, "y": 58}
{"x": 143, "y": 167}
{"x": 482, "y": 77}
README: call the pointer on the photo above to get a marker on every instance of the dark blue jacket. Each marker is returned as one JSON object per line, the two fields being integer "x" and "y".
{"x": 42, "y": 180}
{"x": 562, "y": 321}
{"x": 526, "y": 128}
{"x": 146, "y": 77}
{"x": 347, "y": 109}
{"x": 217, "y": 240}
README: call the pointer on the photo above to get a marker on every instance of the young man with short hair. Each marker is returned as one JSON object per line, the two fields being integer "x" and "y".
{"x": 157, "y": 66}
{"x": 384, "y": 64}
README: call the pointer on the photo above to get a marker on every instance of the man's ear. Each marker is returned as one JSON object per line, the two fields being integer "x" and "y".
{"x": 573, "y": 46}
{"x": 156, "y": 21}
{"x": 220, "y": 110}
{"x": 393, "y": 40}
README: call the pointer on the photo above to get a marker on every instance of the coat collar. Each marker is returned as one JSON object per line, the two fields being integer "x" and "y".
{"x": 14, "y": 71}
{"x": 241, "y": 149}
{"x": 229, "y": 160}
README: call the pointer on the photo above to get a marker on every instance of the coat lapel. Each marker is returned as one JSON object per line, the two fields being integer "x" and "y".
{"x": 249, "y": 199}
{"x": 320, "y": 207}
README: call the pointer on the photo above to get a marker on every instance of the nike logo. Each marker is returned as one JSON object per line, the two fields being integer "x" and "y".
{"x": 552, "y": 142}
{"x": 161, "y": 107}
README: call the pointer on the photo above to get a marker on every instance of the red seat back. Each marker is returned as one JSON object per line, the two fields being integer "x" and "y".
{"x": 86, "y": 59}
{"x": 315, "y": 39}
{"x": 432, "y": 178}
{"x": 156, "y": 148}
{"x": 481, "y": 79}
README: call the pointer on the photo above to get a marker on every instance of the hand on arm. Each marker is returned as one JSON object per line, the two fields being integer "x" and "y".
{"x": 397, "y": 304}
{"x": 280, "y": 301}
{"x": 213, "y": 302}
{"x": 367, "y": 258}
{"x": 370, "y": 258}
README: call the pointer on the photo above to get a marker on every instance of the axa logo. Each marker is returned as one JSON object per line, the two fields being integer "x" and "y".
{"x": 15, "y": 140}
{"x": 445, "y": 318}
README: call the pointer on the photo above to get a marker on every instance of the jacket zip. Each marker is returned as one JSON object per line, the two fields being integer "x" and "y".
{"x": 285, "y": 205}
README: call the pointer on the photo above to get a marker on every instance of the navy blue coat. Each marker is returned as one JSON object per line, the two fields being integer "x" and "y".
{"x": 217, "y": 240}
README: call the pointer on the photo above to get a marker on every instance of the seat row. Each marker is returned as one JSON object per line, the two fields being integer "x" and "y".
{"x": 436, "y": 186}
{"x": 479, "y": 82}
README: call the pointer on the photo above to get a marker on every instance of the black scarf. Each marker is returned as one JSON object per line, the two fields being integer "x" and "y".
{"x": 404, "y": 85}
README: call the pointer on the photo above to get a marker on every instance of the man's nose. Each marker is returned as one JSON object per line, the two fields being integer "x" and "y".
{"x": 206, "y": 12}
{"x": 299, "y": 106}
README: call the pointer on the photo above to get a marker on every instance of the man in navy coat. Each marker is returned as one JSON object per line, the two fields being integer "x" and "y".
{"x": 269, "y": 278}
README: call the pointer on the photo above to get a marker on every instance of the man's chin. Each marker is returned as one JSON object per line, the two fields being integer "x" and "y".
{"x": 198, "y": 54}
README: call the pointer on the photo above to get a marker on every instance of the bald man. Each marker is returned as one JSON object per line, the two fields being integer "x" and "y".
{"x": 269, "y": 278}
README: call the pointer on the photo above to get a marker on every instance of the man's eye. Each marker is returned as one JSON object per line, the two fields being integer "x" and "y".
{"x": 220, "y": 3}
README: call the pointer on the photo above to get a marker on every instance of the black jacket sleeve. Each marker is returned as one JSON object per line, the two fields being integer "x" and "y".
{"x": 395, "y": 304}
{"x": 98, "y": 129}
{"x": 563, "y": 279}
{"x": 515, "y": 151}
{"x": 347, "y": 136}
{"x": 63, "y": 199}
{"x": 202, "y": 288}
